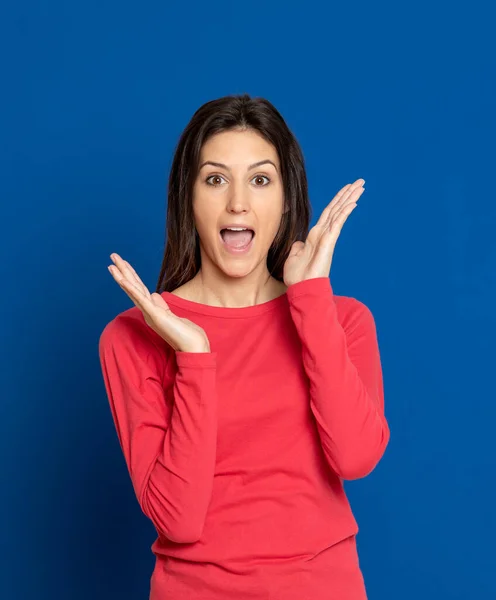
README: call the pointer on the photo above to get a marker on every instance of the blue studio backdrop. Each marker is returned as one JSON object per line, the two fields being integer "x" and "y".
{"x": 94, "y": 98}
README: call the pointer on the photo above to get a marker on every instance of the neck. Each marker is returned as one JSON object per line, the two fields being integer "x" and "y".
{"x": 234, "y": 292}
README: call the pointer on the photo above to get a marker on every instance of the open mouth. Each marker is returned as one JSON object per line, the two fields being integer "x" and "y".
{"x": 237, "y": 241}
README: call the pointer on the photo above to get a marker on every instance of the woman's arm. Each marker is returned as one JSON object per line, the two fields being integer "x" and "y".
{"x": 340, "y": 354}
{"x": 169, "y": 448}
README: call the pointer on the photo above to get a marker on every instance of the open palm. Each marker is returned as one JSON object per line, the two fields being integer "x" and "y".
{"x": 182, "y": 334}
{"x": 313, "y": 258}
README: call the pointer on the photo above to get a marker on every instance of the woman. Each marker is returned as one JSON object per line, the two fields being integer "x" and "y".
{"x": 244, "y": 391}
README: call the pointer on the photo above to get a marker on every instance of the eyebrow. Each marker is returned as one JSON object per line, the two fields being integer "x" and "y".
{"x": 222, "y": 166}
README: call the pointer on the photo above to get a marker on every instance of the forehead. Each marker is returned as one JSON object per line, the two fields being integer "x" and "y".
{"x": 238, "y": 148}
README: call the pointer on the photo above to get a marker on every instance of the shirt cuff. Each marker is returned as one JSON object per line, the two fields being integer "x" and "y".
{"x": 314, "y": 286}
{"x": 201, "y": 360}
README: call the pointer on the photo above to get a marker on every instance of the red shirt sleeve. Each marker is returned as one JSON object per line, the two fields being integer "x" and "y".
{"x": 341, "y": 358}
{"x": 168, "y": 440}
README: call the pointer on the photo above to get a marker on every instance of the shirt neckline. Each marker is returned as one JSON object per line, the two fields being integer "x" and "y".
{"x": 225, "y": 311}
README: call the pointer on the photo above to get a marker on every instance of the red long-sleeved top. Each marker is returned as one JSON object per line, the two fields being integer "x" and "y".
{"x": 238, "y": 455}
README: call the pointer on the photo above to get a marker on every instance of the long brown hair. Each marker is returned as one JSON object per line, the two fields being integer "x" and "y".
{"x": 182, "y": 258}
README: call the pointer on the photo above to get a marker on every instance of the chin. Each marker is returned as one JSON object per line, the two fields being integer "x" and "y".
{"x": 236, "y": 272}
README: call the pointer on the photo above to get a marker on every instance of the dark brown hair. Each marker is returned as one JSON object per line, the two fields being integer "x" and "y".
{"x": 182, "y": 258}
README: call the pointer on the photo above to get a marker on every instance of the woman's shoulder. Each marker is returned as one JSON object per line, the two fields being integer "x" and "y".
{"x": 354, "y": 314}
{"x": 130, "y": 328}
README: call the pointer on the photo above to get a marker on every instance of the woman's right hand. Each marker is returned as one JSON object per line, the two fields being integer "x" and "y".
{"x": 182, "y": 334}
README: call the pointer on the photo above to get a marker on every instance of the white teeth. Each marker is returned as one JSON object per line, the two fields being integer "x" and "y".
{"x": 236, "y": 228}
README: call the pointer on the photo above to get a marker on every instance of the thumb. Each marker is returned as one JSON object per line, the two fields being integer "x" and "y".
{"x": 158, "y": 300}
{"x": 296, "y": 247}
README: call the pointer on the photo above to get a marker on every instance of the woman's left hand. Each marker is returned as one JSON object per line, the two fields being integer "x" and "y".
{"x": 313, "y": 258}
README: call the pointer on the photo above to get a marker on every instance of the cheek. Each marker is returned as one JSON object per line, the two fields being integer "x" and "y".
{"x": 203, "y": 217}
{"x": 206, "y": 230}
{"x": 271, "y": 221}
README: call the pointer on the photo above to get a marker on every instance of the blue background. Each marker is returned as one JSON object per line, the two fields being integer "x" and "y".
{"x": 94, "y": 98}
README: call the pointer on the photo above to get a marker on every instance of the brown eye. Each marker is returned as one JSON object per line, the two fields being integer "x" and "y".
{"x": 262, "y": 177}
{"x": 217, "y": 177}
{"x": 213, "y": 177}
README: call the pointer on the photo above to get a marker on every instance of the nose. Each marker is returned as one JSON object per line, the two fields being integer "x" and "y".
{"x": 237, "y": 208}
{"x": 238, "y": 202}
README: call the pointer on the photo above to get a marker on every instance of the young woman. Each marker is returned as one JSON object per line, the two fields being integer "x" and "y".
{"x": 243, "y": 390}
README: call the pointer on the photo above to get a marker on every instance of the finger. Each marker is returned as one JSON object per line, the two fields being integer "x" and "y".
{"x": 128, "y": 272}
{"x": 351, "y": 199}
{"x": 341, "y": 198}
{"x": 120, "y": 276}
{"x": 324, "y": 217}
{"x": 356, "y": 185}
{"x": 131, "y": 290}
{"x": 158, "y": 300}
{"x": 329, "y": 238}
{"x": 123, "y": 266}
{"x": 120, "y": 265}
{"x": 339, "y": 220}
{"x": 137, "y": 278}
{"x": 354, "y": 191}
{"x": 319, "y": 228}
{"x": 296, "y": 247}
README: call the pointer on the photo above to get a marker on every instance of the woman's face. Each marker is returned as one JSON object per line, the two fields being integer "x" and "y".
{"x": 235, "y": 192}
